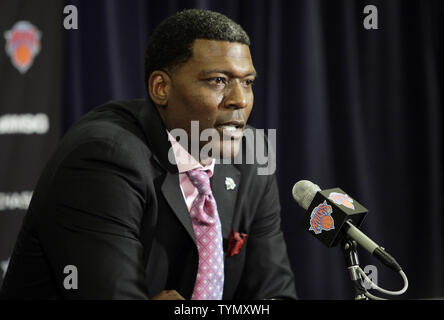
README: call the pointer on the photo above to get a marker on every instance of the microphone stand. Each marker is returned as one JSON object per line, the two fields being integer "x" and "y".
{"x": 351, "y": 258}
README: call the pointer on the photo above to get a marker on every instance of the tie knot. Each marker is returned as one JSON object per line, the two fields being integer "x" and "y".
{"x": 200, "y": 180}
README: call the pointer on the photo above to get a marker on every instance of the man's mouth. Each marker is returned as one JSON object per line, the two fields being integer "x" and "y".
{"x": 231, "y": 129}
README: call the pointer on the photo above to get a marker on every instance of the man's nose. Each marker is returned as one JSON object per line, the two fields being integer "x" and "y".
{"x": 236, "y": 97}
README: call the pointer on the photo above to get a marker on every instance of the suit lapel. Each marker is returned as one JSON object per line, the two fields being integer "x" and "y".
{"x": 225, "y": 199}
{"x": 173, "y": 195}
{"x": 157, "y": 137}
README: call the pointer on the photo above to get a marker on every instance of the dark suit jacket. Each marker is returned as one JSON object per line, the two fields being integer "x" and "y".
{"x": 109, "y": 203}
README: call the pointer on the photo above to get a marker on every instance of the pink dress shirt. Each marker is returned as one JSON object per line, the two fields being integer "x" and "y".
{"x": 185, "y": 162}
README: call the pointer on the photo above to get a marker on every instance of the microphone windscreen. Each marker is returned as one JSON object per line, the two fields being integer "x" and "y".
{"x": 304, "y": 192}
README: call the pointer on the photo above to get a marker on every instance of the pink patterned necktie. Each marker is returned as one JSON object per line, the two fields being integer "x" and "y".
{"x": 207, "y": 230}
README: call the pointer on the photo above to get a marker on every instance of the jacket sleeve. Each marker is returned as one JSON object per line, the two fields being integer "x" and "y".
{"x": 91, "y": 218}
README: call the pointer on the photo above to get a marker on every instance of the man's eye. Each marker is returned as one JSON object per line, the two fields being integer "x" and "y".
{"x": 249, "y": 82}
{"x": 218, "y": 80}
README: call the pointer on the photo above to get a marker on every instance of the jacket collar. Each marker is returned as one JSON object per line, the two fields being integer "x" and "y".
{"x": 156, "y": 135}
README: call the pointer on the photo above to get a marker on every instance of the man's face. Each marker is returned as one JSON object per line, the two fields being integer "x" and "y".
{"x": 213, "y": 87}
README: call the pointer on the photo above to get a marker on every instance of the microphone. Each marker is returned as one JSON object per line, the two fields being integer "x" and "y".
{"x": 332, "y": 215}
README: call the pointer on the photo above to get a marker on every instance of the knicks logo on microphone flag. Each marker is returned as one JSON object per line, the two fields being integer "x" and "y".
{"x": 342, "y": 199}
{"x": 321, "y": 219}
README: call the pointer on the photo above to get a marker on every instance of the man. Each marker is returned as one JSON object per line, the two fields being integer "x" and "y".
{"x": 114, "y": 216}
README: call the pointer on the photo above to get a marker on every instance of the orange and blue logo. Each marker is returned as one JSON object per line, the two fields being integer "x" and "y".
{"x": 23, "y": 45}
{"x": 342, "y": 199}
{"x": 321, "y": 219}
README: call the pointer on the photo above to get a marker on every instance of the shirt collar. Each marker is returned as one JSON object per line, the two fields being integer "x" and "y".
{"x": 185, "y": 161}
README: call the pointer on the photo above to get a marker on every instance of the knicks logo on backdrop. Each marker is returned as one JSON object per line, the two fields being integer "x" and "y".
{"x": 23, "y": 45}
{"x": 321, "y": 219}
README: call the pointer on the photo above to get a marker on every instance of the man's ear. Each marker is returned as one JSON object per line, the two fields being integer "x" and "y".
{"x": 158, "y": 87}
